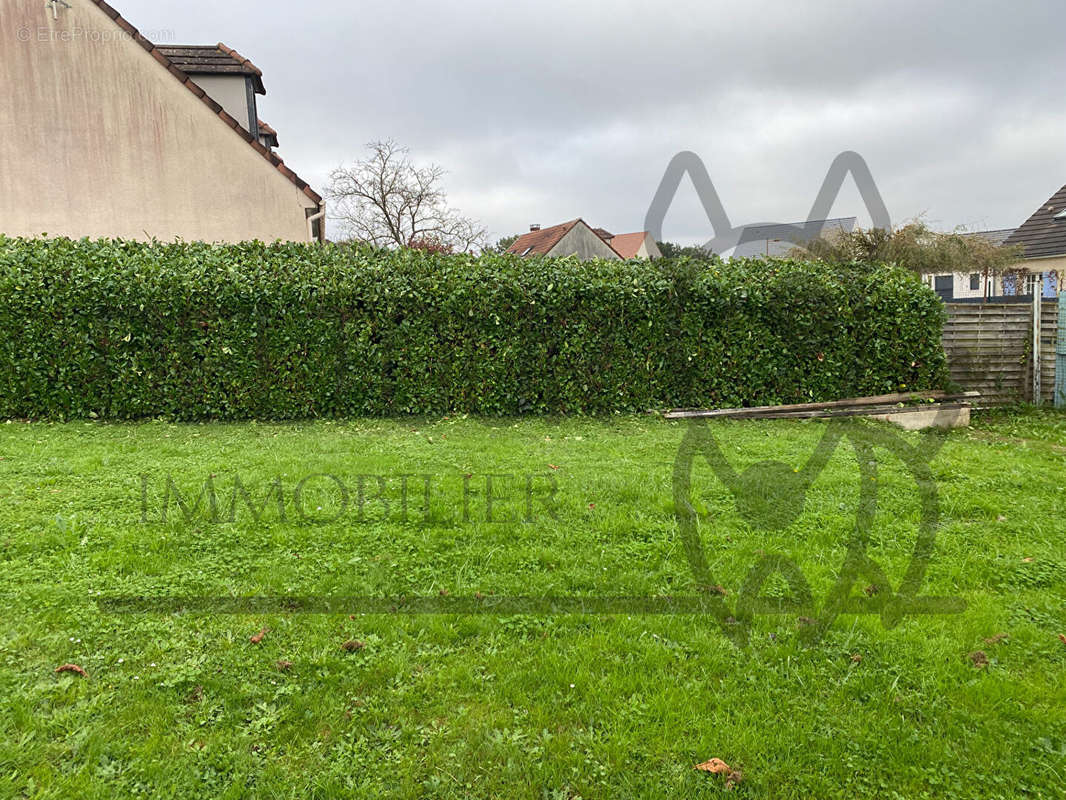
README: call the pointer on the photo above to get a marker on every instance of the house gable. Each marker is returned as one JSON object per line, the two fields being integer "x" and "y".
{"x": 568, "y": 238}
{"x": 583, "y": 242}
{"x": 102, "y": 136}
{"x": 540, "y": 241}
{"x": 635, "y": 245}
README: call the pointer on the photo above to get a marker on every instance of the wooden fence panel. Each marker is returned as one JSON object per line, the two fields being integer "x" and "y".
{"x": 1049, "y": 325}
{"x": 1060, "y": 357}
{"x": 989, "y": 349}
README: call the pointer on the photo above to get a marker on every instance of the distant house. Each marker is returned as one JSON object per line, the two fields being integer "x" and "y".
{"x": 1042, "y": 239}
{"x": 632, "y": 245}
{"x": 577, "y": 238}
{"x": 105, "y": 134}
{"x": 773, "y": 240}
{"x": 967, "y": 285}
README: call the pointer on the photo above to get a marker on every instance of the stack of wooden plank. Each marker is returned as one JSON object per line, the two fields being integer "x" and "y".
{"x": 910, "y": 410}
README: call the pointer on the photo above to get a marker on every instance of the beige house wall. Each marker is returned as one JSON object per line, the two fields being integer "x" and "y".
{"x": 649, "y": 249}
{"x": 98, "y": 139}
{"x": 1053, "y": 263}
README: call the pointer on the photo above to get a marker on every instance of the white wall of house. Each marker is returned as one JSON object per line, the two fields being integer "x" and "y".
{"x": 966, "y": 284}
{"x": 230, "y": 92}
{"x": 98, "y": 139}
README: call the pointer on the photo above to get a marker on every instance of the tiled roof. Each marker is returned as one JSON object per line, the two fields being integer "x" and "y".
{"x": 212, "y": 59}
{"x": 538, "y": 243}
{"x": 1042, "y": 234}
{"x": 189, "y": 84}
{"x": 787, "y": 232}
{"x": 996, "y": 237}
{"x": 627, "y": 245}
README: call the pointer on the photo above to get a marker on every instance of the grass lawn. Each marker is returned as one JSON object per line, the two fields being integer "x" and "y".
{"x": 497, "y": 698}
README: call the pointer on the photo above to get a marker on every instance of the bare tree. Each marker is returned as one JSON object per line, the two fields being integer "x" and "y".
{"x": 388, "y": 201}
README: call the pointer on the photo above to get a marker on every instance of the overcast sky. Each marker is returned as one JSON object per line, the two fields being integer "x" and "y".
{"x": 542, "y": 112}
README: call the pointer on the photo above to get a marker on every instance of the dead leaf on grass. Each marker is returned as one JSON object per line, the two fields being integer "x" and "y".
{"x": 715, "y": 765}
{"x": 72, "y": 668}
{"x": 718, "y": 767}
{"x": 284, "y": 665}
{"x": 259, "y": 636}
{"x": 352, "y": 645}
{"x": 979, "y": 659}
{"x": 1062, "y": 636}
{"x": 999, "y": 637}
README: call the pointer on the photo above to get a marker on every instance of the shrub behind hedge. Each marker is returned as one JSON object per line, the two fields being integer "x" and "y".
{"x": 123, "y": 330}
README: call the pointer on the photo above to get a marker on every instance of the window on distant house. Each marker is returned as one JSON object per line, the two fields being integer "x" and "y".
{"x": 526, "y": 251}
{"x": 944, "y": 285}
{"x": 975, "y": 281}
{"x": 1061, "y": 214}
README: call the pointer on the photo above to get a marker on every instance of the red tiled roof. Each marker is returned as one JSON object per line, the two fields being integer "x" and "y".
{"x": 627, "y": 245}
{"x": 538, "y": 243}
{"x": 189, "y": 84}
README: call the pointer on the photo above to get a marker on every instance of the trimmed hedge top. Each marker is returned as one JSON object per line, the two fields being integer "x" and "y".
{"x": 125, "y": 330}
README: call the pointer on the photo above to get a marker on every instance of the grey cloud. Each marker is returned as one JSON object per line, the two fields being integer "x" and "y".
{"x": 545, "y": 111}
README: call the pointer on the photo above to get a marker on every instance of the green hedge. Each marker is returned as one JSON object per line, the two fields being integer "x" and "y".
{"x": 123, "y": 330}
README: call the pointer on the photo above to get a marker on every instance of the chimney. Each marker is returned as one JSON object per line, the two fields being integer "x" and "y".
{"x": 534, "y": 227}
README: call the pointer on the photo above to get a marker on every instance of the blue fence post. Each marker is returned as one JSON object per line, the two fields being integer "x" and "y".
{"x": 1060, "y": 355}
